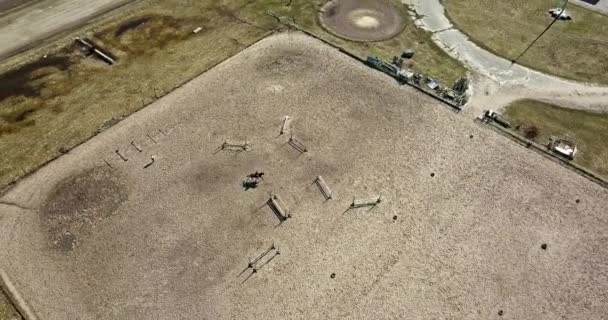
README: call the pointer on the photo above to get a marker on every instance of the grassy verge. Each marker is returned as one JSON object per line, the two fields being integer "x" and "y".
{"x": 50, "y": 104}
{"x": 7, "y": 311}
{"x": 576, "y": 49}
{"x": 540, "y": 121}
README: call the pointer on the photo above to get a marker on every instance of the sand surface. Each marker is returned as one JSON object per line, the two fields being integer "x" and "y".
{"x": 458, "y": 234}
{"x": 362, "y": 20}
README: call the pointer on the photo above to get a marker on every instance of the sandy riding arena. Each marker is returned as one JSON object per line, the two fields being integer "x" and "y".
{"x": 156, "y": 217}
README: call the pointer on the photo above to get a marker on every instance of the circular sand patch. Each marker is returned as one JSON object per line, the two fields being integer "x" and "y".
{"x": 366, "y": 21}
{"x": 362, "y": 20}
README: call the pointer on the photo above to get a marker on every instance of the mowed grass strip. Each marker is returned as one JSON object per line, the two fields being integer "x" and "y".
{"x": 49, "y": 105}
{"x": 576, "y": 49}
{"x": 588, "y": 129}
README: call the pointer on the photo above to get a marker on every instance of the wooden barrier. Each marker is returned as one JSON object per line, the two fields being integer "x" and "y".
{"x": 367, "y": 202}
{"x": 324, "y": 188}
{"x": 138, "y": 148}
{"x": 278, "y": 207}
{"x": 297, "y": 144}
{"x": 255, "y": 265}
{"x": 149, "y": 136}
{"x": 120, "y": 155}
{"x": 235, "y": 146}
{"x": 284, "y": 127}
{"x": 98, "y": 51}
{"x": 255, "y": 260}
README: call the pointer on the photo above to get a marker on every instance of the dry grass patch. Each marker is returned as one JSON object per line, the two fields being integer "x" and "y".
{"x": 576, "y": 49}
{"x": 539, "y": 121}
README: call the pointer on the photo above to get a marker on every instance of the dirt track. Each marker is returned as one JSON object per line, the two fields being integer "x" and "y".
{"x": 458, "y": 234}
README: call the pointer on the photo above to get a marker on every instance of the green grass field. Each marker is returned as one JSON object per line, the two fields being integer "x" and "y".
{"x": 588, "y": 129}
{"x": 576, "y": 49}
{"x": 49, "y": 105}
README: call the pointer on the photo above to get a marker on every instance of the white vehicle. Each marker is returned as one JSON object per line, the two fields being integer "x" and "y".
{"x": 560, "y": 14}
{"x": 563, "y": 147}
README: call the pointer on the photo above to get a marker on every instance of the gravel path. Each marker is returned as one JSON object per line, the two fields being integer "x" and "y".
{"x": 458, "y": 235}
{"x": 41, "y": 20}
{"x": 497, "y": 82}
{"x": 601, "y": 7}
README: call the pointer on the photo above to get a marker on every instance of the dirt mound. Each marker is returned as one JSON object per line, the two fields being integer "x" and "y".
{"x": 362, "y": 20}
{"x": 79, "y": 202}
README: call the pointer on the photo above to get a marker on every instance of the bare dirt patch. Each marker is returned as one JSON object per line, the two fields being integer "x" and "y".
{"x": 24, "y": 90}
{"x": 79, "y": 202}
{"x": 362, "y": 20}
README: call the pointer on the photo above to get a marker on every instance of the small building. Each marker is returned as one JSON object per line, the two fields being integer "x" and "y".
{"x": 406, "y": 75}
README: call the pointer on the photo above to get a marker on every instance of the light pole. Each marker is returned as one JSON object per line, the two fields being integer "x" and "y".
{"x": 562, "y": 11}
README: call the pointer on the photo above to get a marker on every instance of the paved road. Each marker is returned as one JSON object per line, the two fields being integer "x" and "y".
{"x": 23, "y": 28}
{"x": 601, "y": 6}
{"x": 6, "y": 5}
{"x": 497, "y": 82}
